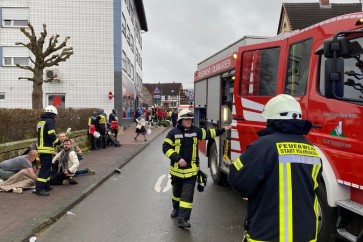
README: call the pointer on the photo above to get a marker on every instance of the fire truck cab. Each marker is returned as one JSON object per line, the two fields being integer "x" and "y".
{"x": 322, "y": 67}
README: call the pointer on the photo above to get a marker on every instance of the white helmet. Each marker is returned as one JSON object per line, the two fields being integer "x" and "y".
{"x": 282, "y": 106}
{"x": 185, "y": 114}
{"x": 51, "y": 109}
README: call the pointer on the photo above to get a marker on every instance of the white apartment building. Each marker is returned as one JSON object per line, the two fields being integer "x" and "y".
{"x": 105, "y": 70}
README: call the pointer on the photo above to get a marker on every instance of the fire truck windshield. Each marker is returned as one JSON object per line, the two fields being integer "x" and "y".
{"x": 353, "y": 74}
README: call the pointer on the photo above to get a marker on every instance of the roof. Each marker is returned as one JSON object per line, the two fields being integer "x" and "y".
{"x": 302, "y": 15}
{"x": 139, "y": 5}
{"x": 166, "y": 89}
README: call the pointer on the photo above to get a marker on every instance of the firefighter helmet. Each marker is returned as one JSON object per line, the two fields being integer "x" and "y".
{"x": 50, "y": 109}
{"x": 282, "y": 106}
{"x": 185, "y": 114}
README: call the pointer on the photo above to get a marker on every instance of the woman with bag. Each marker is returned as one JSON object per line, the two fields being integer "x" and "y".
{"x": 140, "y": 127}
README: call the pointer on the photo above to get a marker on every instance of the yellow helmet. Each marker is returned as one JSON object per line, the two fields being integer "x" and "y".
{"x": 282, "y": 106}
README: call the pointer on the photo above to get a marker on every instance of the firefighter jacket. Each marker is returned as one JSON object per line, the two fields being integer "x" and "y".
{"x": 279, "y": 175}
{"x": 183, "y": 143}
{"x": 47, "y": 138}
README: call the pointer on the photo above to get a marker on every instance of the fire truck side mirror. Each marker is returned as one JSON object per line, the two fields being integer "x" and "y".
{"x": 334, "y": 78}
{"x": 341, "y": 46}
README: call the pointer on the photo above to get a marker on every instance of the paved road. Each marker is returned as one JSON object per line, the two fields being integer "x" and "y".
{"x": 135, "y": 206}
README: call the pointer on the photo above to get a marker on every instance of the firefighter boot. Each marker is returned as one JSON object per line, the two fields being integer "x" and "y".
{"x": 183, "y": 223}
{"x": 42, "y": 193}
{"x": 174, "y": 213}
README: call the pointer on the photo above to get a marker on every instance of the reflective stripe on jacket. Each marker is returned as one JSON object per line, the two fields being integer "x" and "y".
{"x": 46, "y": 135}
{"x": 279, "y": 175}
{"x": 183, "y": 143}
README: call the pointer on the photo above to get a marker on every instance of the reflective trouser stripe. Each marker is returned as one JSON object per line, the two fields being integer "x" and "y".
{"x": 175, "y": 198}
{"x": 183, "y": 204}
{"x": 43, "y": 180}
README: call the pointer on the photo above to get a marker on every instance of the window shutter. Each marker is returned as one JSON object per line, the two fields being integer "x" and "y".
{"x": 12, "y": 51}
{"x": 1, "y": 55}
{"x": 1, "y": 19}
{"x": 15, "y": 13}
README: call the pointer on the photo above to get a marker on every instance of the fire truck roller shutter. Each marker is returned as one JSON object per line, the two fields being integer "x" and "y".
{"x": 201, "y": 95}
{"x": 213, "y": 98}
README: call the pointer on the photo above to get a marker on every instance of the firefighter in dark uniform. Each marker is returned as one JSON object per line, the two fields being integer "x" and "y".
{"x": 181, "y": 147}
{"x": 92, "y": 124}
{"x": 279, "y": 175}
{"x": 102, "y": 128}
{"x": 47, "y": 139}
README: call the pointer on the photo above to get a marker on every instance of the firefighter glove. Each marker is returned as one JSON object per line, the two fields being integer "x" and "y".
{"x": 202, "y": 180}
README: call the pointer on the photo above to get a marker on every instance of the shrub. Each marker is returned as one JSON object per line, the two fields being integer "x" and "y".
{"x": 20, "y": 124}
{"x": 164, "y": 123}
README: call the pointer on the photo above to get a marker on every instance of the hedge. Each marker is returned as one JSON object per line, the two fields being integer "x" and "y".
{"x": 20, "y": 124}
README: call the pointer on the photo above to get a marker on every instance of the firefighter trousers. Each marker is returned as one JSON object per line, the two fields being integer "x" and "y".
{"x": 42, "y": 182}
{"x": 183, "y": 193}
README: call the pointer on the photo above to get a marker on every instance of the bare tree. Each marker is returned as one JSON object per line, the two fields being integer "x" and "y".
{"x": 51, "y": 56}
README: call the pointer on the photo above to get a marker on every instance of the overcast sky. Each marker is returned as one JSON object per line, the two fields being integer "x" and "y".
{"x": 182, "y": 33}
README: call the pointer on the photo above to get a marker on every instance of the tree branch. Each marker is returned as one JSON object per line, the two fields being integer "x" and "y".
{"x": 26, "y": 78}
{"x": 25, "y": 67}
{"x": 31, "y": 59}
{"x": 64, "y": 55}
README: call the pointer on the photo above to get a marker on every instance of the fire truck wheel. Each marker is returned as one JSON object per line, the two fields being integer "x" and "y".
{"x": 327, "y": 216}
{"x": 217, "y": 175}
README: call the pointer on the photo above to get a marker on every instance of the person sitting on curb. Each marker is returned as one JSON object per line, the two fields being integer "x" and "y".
{"x": 10, "y": 167}
{"x": 62, "y": 137}
{"x": 68, "y": 164}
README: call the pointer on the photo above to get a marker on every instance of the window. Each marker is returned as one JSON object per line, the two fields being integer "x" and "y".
{"x": 298, "y": 68}
{"x": 123, "y": 24}
{"x": 137, "y": 55}
{"x": 15, "y": 55}
{"x": 132, "y": 72}
{"x": 128, "y": 34}
{"x": 259, "y": 72}
{"x": 351, "y": 87}
{"x": 58, "y": 100}
{"x": 15, "y": 17}
{"x": 128, "y": 67}
{"x": 132, "y": 42}
{"x": 124, "y": 64}
{"x": 2, "y": 95}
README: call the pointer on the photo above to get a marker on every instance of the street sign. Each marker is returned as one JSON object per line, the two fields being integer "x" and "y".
{"x": 156, "y": 90}
{"x": 157, "y": 96}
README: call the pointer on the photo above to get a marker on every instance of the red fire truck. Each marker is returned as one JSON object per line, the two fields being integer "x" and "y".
{"x": 322, "y": 67}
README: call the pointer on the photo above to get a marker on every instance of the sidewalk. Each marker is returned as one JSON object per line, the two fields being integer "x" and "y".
{"x": 23, "y": 215}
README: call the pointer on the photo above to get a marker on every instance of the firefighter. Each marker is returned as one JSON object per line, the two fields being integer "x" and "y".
{"x": 92, "y": 124}
{"x": 102, "y": 128}
{"x": 279, "y": 175}
{"x": 47, "y": 139}
{"x": 181, "y": 147}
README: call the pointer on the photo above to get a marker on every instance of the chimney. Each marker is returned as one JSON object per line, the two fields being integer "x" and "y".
{"x": 324, "y": 4}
